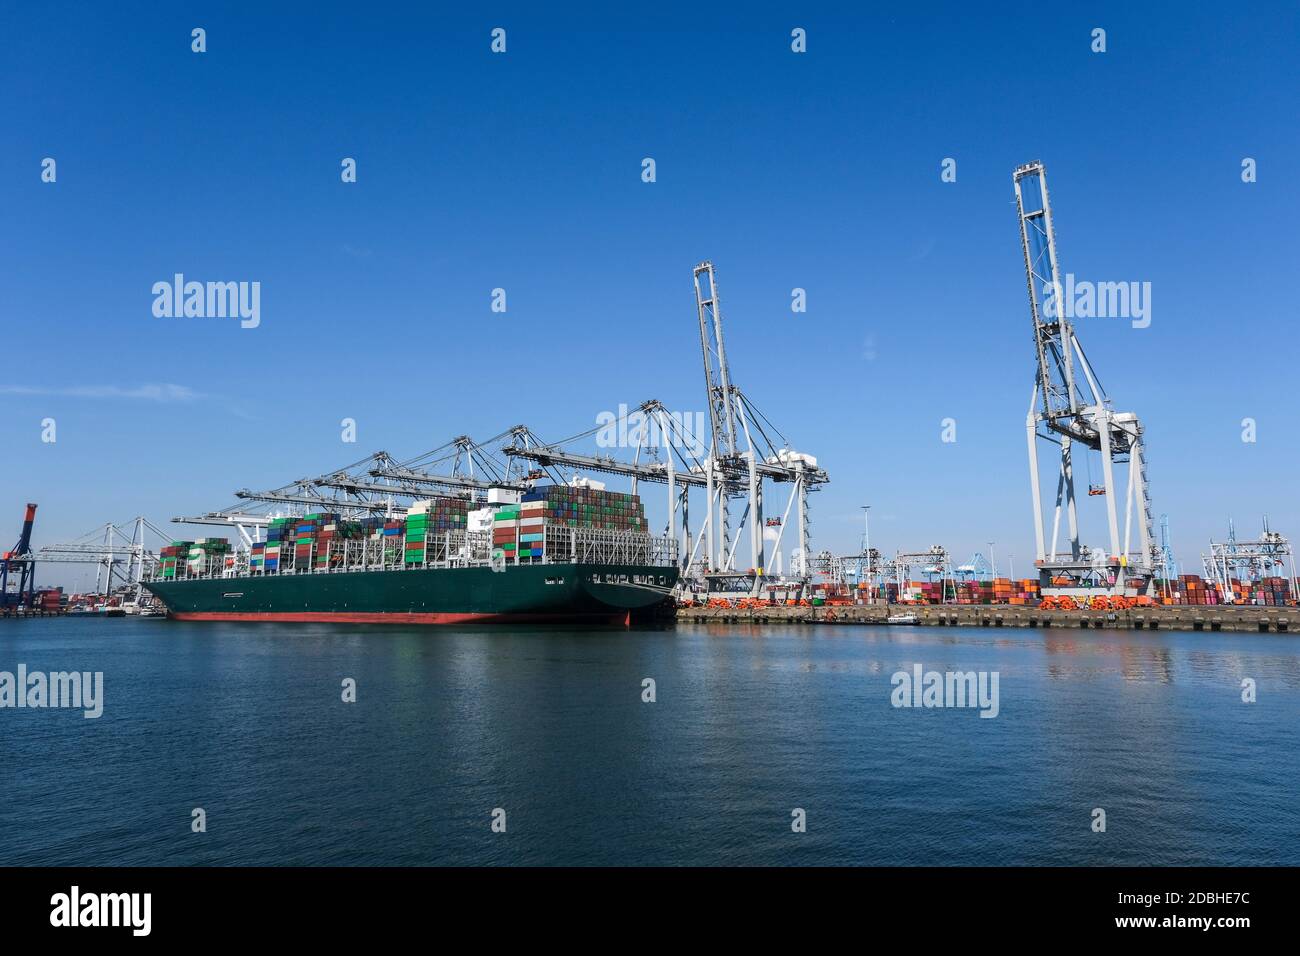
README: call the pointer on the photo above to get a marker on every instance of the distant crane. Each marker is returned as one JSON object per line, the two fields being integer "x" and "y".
{"x": 978, "y": 569}
{"x": 19, "y": 561}
{"x": 1067, "y": 408}
{"x": 935, "y": 563}
{"x": 1247, "y": 562}
{"x": 122, "y": 558}
{"x": 1168, "y": 566}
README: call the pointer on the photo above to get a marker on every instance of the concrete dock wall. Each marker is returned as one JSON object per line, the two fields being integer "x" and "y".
{"x": 1271, "y": 620}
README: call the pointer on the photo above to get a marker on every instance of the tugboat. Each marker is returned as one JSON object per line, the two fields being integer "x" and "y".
{"x": 905, "y": 618}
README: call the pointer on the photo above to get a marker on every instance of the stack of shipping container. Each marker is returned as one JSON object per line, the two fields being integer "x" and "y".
{"x": 1270, "y": 592}
{"x": 519, "y": 531}
{"x": 427, "y": 520}
{"x": 391, "y": 532}
{"x": 1192, "y": 589}
{"x": 208, "y": 556}
{"x": 174, "y": 557}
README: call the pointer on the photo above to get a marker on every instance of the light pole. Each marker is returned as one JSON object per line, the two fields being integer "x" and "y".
{"x": 866, "y": 552}
{"x": 993, "y": 561}
{"x": 1011, "y": 559}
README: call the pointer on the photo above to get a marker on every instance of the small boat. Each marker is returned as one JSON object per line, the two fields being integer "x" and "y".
{"x": 903, "y": 619}
{"x": 99, "y": 610}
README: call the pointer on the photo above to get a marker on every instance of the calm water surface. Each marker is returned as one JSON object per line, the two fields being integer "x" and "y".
{"x": 246, "y": 721}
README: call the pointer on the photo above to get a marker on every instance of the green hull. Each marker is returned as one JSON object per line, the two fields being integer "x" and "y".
{"x": 543, "y": 592}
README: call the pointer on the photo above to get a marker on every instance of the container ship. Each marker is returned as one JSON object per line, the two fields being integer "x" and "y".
{"x": 560, "y": 553}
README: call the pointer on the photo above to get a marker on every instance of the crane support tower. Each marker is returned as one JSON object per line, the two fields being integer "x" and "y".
{"x": 1070, "y": 409}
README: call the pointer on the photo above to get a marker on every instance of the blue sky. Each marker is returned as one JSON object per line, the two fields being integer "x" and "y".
{"x": 522, "y": 171}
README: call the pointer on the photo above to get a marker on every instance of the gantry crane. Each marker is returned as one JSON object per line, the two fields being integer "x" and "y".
{"x": 733, "y": 465}
{"x": 1247, "y": 562}
{"x": 1069, "y": 407}
{"x": 19, "y": 561}
{"x": 934, "y": 562}
{"x": 122, "y": 558}
{"x": 734, "y": 470}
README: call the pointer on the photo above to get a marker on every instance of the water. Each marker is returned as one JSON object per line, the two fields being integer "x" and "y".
{"x": 247, "y": 722}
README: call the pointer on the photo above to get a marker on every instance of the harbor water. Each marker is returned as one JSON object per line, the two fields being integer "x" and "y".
{"x": 551, "y": 727}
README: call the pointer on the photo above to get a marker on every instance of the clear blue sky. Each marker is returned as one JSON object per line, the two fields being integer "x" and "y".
{"x": 523, "y": 171}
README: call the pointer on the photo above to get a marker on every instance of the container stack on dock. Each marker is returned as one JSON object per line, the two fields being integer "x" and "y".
{"x": 1270, "y": 592}
{"x": 1192, "y": 589}
{"x": 1024, "y": 591}
{"x": 50, "y": 601}
{"x": 928, "y": 592}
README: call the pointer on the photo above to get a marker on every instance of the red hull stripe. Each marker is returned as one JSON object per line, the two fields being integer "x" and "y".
{"x": 381, "y": 617}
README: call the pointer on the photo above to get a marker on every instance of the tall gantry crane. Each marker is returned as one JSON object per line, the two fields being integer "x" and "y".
{"x": 743, "y": 451}
{"x": 1070, "y": 408}
{"x": 734, "y": 470}
{"x": 19, "y": 561}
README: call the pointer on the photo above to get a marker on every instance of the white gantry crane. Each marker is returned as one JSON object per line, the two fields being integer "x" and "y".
{"x": 122, "y": 558}
{"x": 741, "y": 455}
{"x": 1069, "y": 408}
{"x": 742, "y": 452}
{"x": 1233, "y": 564}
